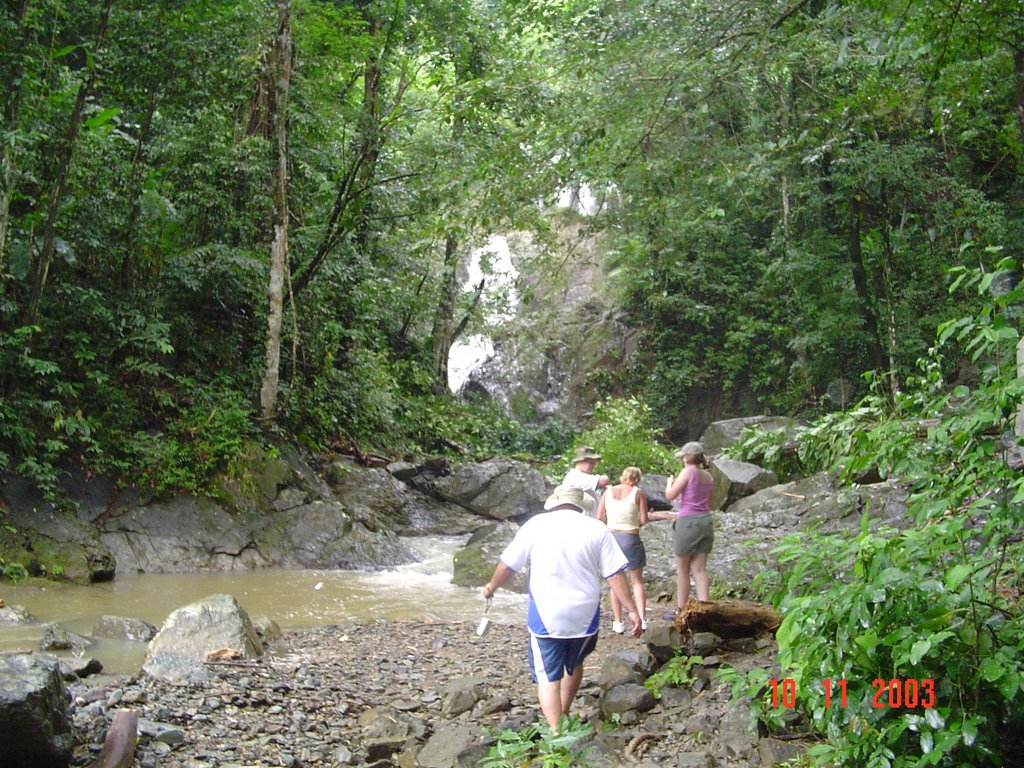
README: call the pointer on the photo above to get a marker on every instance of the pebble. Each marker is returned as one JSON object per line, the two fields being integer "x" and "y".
{"x": 301, "y": 703}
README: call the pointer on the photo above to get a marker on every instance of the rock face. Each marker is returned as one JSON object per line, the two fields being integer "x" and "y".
{"x": 124, "y": 628}
{"x": 719, "y": 435}
{"x": 746, "y": 532}
{"x": 178, "y": 652}
{"x": 287, "y": 514}
{"x": 736, "y": 479}
{"x": 50, "y": 543}
{"x": 546, "y": 352}
{"x": 35, "y": 721}
{"x": 500, "y": 489}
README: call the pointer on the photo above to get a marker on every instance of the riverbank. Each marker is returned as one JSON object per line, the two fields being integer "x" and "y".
{"x": 391, "y": 693}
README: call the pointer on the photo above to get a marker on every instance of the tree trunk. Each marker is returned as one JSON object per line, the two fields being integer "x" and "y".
{"x": 371, "y": 138}
{"x": 134, "y": 190}
{"x": 888, "y": 258}
{"x": 444, "y": 317}
{"x": 39, "y": 265}
{"x": 860, "y": 281}
{"x": 282, "y": 71}
{"x": 10, "y": 112}
{"x": 1018, "y": 73}
{"x": 727, "y": 618}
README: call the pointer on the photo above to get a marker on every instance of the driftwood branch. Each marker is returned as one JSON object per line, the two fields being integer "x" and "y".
{"x": 120, "y": 742}
{"x": 727, "y": 618}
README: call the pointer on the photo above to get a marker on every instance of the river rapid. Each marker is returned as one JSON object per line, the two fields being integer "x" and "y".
{"x": 419, "y": 591}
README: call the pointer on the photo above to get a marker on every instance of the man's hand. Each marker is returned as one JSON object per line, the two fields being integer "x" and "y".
{"x": 634, "y": 619}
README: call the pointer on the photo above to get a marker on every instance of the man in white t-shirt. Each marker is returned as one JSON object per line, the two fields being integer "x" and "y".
{"x": 568, "y": 554}
{"x": 582, "y": 476}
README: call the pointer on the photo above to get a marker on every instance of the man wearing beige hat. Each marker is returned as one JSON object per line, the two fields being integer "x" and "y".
{"x": 582, "y": 476}
{"x": 568, "y": 554}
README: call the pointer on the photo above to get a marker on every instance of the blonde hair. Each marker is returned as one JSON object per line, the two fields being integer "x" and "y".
{"x": 631, "y": 475}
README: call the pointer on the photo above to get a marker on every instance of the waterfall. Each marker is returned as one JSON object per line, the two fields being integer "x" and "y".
{"x": 494, "y": 259}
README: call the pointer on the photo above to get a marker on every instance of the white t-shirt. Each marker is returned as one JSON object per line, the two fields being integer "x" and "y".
{"x": 587, "y": 483}
{"x": 568, "y": 554}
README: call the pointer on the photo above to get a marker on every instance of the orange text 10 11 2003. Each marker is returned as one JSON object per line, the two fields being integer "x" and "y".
{"x": 894, "y": 693}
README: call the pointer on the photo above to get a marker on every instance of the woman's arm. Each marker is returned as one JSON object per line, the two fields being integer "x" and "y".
{"x": 601, "y": 514}
{"x": 676, "y": 487}
{"x": 641, "y": 500}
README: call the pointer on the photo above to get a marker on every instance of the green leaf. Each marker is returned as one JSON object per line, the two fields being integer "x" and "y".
{"x": 1009, "y": 685}
{"x": 868, "y": 641}
{"x": 927, "y": 742}
{"x": 956, "y": 575}
{"x": 934, "y": 718}
{"x": 918, "y": 650}
{"x": 101, "y": 118}
{"x": 991, "y": 670}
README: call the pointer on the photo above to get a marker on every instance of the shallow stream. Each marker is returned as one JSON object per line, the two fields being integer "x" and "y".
{"x": 292, "y": 598}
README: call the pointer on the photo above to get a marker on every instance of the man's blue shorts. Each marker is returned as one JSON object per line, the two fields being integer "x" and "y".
{"x": 551, "y": 658}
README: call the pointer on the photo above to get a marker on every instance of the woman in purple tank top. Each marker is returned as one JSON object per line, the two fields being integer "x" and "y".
{"x": 693, "y": 534}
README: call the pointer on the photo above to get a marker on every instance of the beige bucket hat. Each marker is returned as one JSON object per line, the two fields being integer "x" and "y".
{"x": 585, "y": 452}
{"x": 565, "y": 495}
{"x": 691, "y": 448}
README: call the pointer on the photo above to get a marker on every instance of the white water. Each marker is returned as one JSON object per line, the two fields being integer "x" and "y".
{"x": 494, "y": 260}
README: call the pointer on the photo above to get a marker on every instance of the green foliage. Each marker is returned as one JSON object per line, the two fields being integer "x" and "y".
{"x": 536, "y": 745}
{"x": 623, "y": 433}
{"x": 677, "y": 672}
{"x": 13, "y": 571}
{"x": 440, "y": 423}
{"x": 766, "y": 448}
{"x": 938, "y": 601}
{"x": 203, "y": 439}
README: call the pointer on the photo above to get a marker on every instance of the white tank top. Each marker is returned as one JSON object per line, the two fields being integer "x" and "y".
{"x": 622, "y": 514}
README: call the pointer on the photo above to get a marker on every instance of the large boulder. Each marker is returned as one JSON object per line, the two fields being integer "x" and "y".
{"x": 720, "y": 435}
{"x": 381, "y": 499}
{"x": 49, "y": 541}
{"x": 181, "y": 535}
{"x": 500, "y": 489}
{"x": 16, "y": 614}
{"x": 323, "y": 534}
{"x": 35, "y": 719}
{"x": 189, "y": 533}
{"x": 653, "y": 487}
{"x": 734, "y": 480}
{"x": 177, "y": 654}
{"x": 474, "y": 562}
{"x": 747, "y": 531}
{"x": 124, "y": 628}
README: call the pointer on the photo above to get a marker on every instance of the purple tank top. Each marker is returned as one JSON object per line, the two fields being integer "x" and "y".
{"x": 695, "y": 498}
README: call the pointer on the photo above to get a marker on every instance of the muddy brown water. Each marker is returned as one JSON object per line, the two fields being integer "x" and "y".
{"x": 292, "y": 598}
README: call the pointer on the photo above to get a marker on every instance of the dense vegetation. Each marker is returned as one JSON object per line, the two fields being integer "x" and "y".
{"x": 931, "y": 613}
{"x": 228, "y": 222}
{"x": 784, "y": 187}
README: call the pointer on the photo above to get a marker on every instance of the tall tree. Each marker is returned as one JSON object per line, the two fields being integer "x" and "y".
{"x": 39, "y": 263}
{"x": 281, "y": 69}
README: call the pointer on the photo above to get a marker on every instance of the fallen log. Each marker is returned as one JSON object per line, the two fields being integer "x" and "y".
{"x": 727, "y": 618}
{"x": 120, "y": 742}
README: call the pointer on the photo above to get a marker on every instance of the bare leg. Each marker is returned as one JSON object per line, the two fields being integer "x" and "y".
{"x": 682, "y": 580}
{"x": 636, "y": 578}
{"x": 570, "y": 685}
{"x": 550, "y": 698}
{"x": 700, "y": 575}
{"x": 616, "y": 607}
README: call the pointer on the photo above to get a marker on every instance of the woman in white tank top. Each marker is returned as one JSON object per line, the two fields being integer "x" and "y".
{"x": 623, "y": 508}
